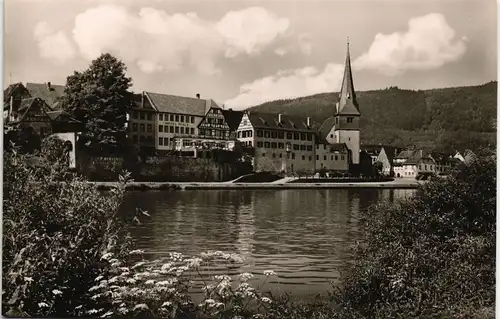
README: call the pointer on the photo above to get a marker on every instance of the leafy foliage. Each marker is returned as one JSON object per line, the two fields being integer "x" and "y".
{"x": 460, "y": 118}
{"x": 100, "y": 98}
{"x": 54, "y": 234}
{"x": 25, "y": 139}
{"x": 429, "y": 256}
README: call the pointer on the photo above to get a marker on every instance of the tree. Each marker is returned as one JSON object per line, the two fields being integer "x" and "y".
{"x": 377, "y": 168}
{"x": 99, "y": 97}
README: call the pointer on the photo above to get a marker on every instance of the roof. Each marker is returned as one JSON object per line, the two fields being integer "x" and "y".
{"x": 348, "y": 104}
{"x": 7, "y": 93}
{"x": 326, "y": 128}
{"x": 270, "y": 120}
{"x": 390, "y": 152}
{"x": 25, "y": 105}
{"x": 42, "y": 91}
{"x": 233, "y": 118}
{"x": 59, "y": 114}
{"x": 178, "y": 104}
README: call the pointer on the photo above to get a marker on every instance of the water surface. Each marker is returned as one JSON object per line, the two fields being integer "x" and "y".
{"x": 304, "y": 235}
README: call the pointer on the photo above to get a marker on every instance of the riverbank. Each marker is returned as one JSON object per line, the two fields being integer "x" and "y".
{"x": 396, "y": 184}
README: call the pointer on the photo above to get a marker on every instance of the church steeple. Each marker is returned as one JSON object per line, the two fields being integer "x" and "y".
{"x": 348, "y": 103}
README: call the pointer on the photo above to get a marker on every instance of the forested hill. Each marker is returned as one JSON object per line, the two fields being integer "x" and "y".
{"x": 445, "y": 119}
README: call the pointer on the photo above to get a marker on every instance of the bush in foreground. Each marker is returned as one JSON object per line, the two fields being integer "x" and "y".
{"x": 431, "y": 256}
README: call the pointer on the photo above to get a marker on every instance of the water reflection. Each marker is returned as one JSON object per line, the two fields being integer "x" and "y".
{"x": 304, "y": 235}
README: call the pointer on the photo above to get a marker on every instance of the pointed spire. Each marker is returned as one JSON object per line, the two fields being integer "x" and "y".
{"x": 347, "y": 93}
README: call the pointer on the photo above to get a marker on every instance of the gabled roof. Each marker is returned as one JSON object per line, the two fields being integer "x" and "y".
{"x": 326, "y": 128}
{"x": 26, "y": 104}
{"x": 390, "y": 152}
{"x": 270, "y": 120}
{"x": 210, "y": 104}
{"x": 233, "y": 118}
{"x": 61, "y": 115}
{"x": 7, "y": 93}
{"x": 42, "y": 91}
{"x": 177, "y": 104}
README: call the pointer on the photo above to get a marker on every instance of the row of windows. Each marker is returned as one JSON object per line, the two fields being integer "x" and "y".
{"x": 164, "y": 141}
{"x": 163, "y": 117}
{"x": 289, "y": 135}
{"x": 141, "y": 127}
{"x": 333, "y": 157}
{"x": 216, "y": 133}
{"x": 296, "y": 147}
{"x": 246, "y": 133}
{"x": 142, "y": 138}
{"x": 176, "y": 118}
{"x": 176, "y": 129}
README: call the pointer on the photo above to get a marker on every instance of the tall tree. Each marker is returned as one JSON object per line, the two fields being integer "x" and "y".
{"x": 100, "y": 98}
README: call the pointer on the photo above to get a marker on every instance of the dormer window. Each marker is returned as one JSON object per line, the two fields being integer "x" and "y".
{"x": 348, "y": 95}
{"x": 349, "y": 120}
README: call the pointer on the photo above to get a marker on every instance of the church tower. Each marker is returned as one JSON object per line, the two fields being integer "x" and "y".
{"x": 346, "y": 129}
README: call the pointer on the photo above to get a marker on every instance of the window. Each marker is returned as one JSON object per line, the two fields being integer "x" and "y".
{"x": 176, "y": 129}
{"x": 331, "y": 135}
{"x": 160, "y": 141}
{"x": 141, "y": 138}
{"x": 259, "y": 144}
{"x": 309, "y": 137}
{"x": 249, "y": 143}
{"x": 309, "y": 148}
{"x": 177, "y": 118}
{"x": 303, "y": 157}
{"x": 289, "y": 136}
{"x": 134, "y": 127}
{"x": 171, "y": 117}
{"x": 245, "y": 122}
{"x": 267, "y": 144}
{"x": 160, "y": 128}
{"x": 324, "y": 157}
{"x": 161, "y": 117}
{"x": 192, "y": 119}
{"x": 263, "y": 154}
{"x": 149, "y": 138}
{"x": 182, "y": 130}
{"x": 342, "y": 157}
{"x": 150, "y": 128}
{"x": 259, "y": 133}
{"x": 171, "y": 130}
{"x": 336, "y": 157}
{"x": 150, "y": 117}
{"x": 165, "y": 141}
{"x": 250, "y": 133}
{"x": 182, "y": 118}
{"x": 317, "y": 157}
{"x": 293, "y": 155}
{"x": 142, "y": 128}
{"x": 296, "y": 136}
{"x": 302, "y": 147}
{"x": 280, "y": 155}
{"x": 281, "y": 145}
{"x": 267, "y": 134}
{"x": 295, "y": 147}
{"x": 274, "y": 155}
{"x": 336, "y": 120}
{"x": 274, "y": 145}
{"x": 332, "y": 157}
{"x": 349, "y": 138}
{"x": 302, "y": 136}
{"x": 192, "y": 131}
{"x": 274, "y": 134}
{"x": 349, "y": 120}
{"x": 142, "y": 115}
{"x": 281, "y": 135}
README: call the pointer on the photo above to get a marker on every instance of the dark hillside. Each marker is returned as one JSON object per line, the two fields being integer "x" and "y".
{"x": 445, "y": 119}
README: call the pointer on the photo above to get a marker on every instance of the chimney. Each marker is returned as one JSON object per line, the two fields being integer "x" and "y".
{"x": 49, "y": 86}
{"x": 197, "y": 95}
{"x": 11, "y": 107}
{"x": 308, "y": 121}
{"x": 279, "y": 118}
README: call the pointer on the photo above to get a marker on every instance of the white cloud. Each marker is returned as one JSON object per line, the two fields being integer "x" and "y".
{"x": 280, "y": 51}
{"x": 160, "y": 42}
{"x": 428, "y": 44}
{"x": 288, "y": 84}
{"x": 53, "y": 45}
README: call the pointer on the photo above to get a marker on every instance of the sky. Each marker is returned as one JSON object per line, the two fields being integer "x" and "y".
{"x": 243, "y": 53}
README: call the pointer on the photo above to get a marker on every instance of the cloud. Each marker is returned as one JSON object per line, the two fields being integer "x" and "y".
{"x": 428, "y": 44}
{"x": 288, "y": 84}
{"x": 53, "y": 45}
{"x": 160, "y": 42}
{"x": 305, "y": 44}
{"x": 281, "y": 51}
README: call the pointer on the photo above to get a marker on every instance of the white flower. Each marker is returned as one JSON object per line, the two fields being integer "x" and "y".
{"x": 131, "y": 281}
{"x": 139, "y": 264}
{"x": 223, "y": 277}
{"x": 266, "y": 300}
{"x": 93, "y": 288}
{"x": 113, "y": 280}
{"x": 123, "y": 310}
{"x": 79, "y": 307}
{"x": 124, "y": 269}
{"x": 107, "y": 314}
{"x": 43, "y": 305}
{"x": 28, "y": 279}
{"x": 92, "y": 311}
{"x": 166, "y": 304}
{"x": 150, "y": 282}
{"x": 136, "y": 252}
{"x": 194, "y": 262}
{"x": 141, "y": 306}
{"x": 245, "y": 276}
{"x": 56, "y": 292}
{"x": 99, "y": 278}
{"x": 269, "y": 273}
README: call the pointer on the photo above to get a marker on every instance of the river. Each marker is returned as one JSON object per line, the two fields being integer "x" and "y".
{"x": 305, "y": 236}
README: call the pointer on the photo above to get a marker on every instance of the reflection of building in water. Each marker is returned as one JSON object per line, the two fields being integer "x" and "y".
{"x": 401, "y": 194}
{"x": 245, "y": 221}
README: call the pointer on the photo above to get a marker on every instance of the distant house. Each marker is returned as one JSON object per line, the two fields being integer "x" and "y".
{"x": 406, "y": 163}
{"x": 469, "y": 157}
{"x": 444, "y": 162}
{"x": 371, "y": 150}
{"x": 386, "y": 157}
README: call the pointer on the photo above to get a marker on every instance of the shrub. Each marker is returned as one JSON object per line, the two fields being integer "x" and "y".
{"x": 54, "y": 234}
{"x": 429, "y": 256}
